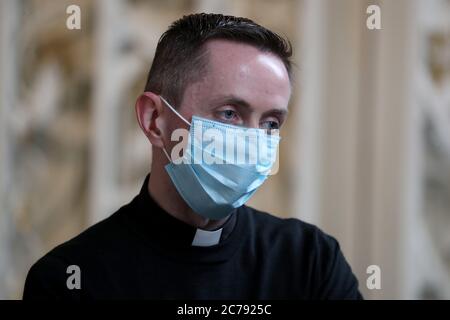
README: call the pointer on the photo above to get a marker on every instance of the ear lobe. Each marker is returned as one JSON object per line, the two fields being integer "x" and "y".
{"x": 148, "y": 109}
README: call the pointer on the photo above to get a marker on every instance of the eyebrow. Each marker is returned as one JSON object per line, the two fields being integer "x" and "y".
{"x": 277, "y": 112}
{"x": 232, "y": 99}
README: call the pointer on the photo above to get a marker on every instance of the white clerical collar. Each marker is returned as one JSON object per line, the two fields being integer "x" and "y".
{"x": 205, "y": 238}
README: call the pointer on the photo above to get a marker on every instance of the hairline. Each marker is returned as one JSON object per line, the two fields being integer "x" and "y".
{"x": 203, "y": 54}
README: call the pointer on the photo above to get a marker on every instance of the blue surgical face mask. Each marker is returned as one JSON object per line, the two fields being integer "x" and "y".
{"x": 222, "y": 165}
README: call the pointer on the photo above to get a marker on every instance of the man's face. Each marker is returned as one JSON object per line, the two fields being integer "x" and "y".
{"x": 242, "y": 86}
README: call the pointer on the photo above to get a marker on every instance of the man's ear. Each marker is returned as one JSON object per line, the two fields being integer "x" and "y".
{"x": 148, "y": 112}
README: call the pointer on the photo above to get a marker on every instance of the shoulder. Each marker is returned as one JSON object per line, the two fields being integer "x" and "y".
{"x": 289, "y": 229}
{"x": 306, "y": 247}
{"x": 47, "y": 277}
{"x": 100, "y": 238}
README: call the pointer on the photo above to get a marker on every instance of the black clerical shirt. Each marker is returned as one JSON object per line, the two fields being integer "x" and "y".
{"x": 141, "y": 251}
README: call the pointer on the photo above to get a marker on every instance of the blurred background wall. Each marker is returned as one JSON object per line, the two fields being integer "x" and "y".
{"x": 365, "y": 153}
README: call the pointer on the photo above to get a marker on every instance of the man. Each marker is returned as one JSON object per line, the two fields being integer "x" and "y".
{"x": 188, "y": 233}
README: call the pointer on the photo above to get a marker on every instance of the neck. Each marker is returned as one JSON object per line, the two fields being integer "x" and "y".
{"x": 162, "y": 190}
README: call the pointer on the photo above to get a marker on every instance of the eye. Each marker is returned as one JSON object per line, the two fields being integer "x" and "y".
{"x": 228, "y": 115}
{"x": 270, "y": 125}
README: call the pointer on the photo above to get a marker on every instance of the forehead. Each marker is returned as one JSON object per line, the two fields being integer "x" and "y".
{"x": 244, "y": 71}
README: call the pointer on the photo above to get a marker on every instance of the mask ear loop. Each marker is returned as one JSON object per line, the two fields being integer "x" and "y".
{"x": 175, "y": 111}
{"x": 167, "y": 155}
{"x": 179, "y": 115}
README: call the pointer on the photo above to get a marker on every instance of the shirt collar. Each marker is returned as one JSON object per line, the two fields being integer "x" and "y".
{"x": 168, "y": 230}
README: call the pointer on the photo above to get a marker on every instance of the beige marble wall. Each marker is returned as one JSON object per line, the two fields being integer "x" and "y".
{"x": 350, "y": 158}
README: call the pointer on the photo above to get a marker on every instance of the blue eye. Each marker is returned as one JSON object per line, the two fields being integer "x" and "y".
{"x": 271, "y": 125}
{"x": 228, "y": 114}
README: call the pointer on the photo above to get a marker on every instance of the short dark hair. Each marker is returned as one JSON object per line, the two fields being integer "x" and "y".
{"x": 179, "y": 59}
